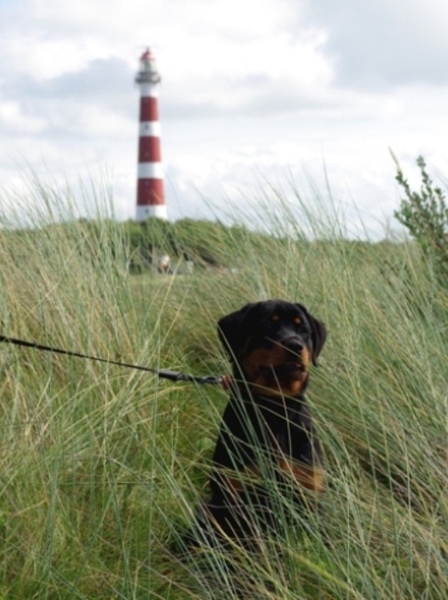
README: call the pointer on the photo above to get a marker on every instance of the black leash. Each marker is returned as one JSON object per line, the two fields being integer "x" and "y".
{"x": 162, "y": 373}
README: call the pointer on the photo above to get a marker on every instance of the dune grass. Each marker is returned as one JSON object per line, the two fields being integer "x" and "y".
{"x": 103, "y": 466}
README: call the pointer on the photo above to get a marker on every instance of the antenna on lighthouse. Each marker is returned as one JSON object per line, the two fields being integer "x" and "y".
{"x": 150, "y": 185}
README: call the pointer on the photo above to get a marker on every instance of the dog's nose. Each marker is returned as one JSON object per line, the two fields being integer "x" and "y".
{"x": 294, "y": 346}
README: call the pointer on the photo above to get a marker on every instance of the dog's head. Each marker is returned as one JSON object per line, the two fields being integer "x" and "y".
{"x": 272, "y": 345}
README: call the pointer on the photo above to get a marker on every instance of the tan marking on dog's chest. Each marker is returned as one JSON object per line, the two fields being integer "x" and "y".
{"x": 309, "y": 477}
{"x": 238, "y": 482}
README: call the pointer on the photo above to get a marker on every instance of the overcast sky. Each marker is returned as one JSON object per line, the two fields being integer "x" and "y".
{"x": 255, "y": 93}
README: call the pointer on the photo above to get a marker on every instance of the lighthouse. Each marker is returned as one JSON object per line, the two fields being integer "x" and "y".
{"x": 150, "y": 186}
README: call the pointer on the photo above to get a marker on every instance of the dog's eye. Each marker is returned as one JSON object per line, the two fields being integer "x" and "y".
{"x": 275, "y": 318}
{"x": 297, "y": 321}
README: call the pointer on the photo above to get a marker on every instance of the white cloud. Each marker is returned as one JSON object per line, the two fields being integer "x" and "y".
{"x": 42, "y": 58}
{"x": 13, "y": 119}
{"x": 385, "y": 43}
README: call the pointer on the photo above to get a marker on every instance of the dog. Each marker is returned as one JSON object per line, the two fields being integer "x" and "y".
{"x": 267, "y": 446}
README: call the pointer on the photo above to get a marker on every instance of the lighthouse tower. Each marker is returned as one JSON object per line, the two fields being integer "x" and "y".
{"x": 150, "y": 188}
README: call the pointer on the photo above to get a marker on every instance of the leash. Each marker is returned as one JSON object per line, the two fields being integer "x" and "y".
{"x": 162, "y": 373}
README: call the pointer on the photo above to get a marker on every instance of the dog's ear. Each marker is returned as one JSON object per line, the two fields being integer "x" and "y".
{"x": 318, "y": 333}
{"x": 231, "y": 331}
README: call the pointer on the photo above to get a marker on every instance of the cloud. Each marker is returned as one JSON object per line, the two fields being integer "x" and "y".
{"x": 385, "y": 43}
{"x": 92, "y": 102}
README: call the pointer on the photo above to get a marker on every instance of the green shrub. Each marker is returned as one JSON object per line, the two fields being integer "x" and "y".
{"x": 424, "y": 213}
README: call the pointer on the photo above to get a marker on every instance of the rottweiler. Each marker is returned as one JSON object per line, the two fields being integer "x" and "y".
{"x": 267, "y": 449}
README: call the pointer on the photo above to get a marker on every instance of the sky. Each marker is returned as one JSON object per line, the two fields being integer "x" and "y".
{"x": 259, "y": 98}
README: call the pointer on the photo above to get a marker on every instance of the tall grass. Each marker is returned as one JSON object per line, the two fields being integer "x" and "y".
{"x": 102, "y": 467}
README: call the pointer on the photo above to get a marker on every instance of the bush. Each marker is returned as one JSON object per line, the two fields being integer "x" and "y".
{"x": 424, "y": 213}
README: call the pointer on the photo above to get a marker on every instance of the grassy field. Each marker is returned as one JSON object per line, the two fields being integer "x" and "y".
{"x": 102, "y": 466}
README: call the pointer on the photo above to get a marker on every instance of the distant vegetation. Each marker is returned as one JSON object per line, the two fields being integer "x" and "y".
{"x": 200, "y": 242}
{"x": 102, "y": 466}
{"x": 141, "y": 244}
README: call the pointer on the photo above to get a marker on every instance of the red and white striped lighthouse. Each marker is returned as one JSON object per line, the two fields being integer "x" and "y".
{"x": 150, "y": 187}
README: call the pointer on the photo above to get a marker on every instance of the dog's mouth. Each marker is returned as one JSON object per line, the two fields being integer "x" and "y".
{"x": 288, "y": 370}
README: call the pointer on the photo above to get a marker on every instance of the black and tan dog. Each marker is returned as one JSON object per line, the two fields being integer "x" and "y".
{"x": 267, "y": 447}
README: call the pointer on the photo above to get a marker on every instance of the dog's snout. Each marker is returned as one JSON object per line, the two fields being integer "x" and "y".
{"x": 295, "y": 346}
